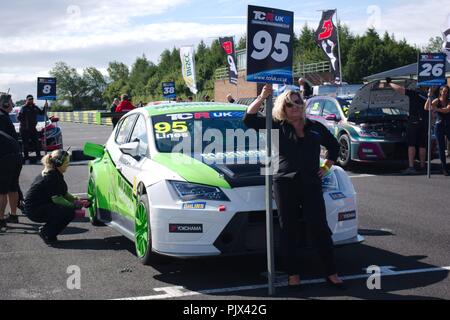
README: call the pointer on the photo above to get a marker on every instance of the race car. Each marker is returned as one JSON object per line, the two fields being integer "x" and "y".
{"x": 52, "y": 131}
{"x": 371, "y": 126}
{"x": 161, "y": 183}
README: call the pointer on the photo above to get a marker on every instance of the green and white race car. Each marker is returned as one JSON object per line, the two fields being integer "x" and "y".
{"x": 169, "y": 179}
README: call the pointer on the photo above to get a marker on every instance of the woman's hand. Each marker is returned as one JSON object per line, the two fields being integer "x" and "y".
{"x": 322, "y": 172}
{"x": 325, "y": 169}
{"x": 266, "y": 91}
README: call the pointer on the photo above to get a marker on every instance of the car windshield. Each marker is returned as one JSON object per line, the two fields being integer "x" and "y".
{"x": 345, "y": 105}
{"x": 219, "y": 132}
{"x": 379, "y": 113}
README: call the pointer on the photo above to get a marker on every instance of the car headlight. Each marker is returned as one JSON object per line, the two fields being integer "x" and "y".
{"x": 330, "y": 183}
{"x": 190, "y": 191}
{"x": 366, "y": 132}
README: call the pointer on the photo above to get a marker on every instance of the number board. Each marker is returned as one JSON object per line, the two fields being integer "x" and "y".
{"x": 46, "y": 89}
{"x": 431, "y": 70}
{"x": 270, "y": 45}
{"x": 168, "y": 89}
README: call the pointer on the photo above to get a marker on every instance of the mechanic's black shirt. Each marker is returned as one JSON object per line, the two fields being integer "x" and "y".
{"x": 8, "y": 145}
{"x": 308, "y": 91}
{"x": 43, "y": 189}
{"x": 299, "y": 155}
{"x": 28, "y": 117}
{"x": 417, "y": 110}
{"x": 7, "y": 126}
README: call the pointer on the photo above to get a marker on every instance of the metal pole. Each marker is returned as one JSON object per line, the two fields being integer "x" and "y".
{"x": 45, "y": 128}
{"x": 341, "y": 78}
{"x": 429, "y": 138}
{"x": 269, "y": 199}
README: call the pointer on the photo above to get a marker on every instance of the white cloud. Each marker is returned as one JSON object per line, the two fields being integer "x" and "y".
{"x": 415, "y": 20}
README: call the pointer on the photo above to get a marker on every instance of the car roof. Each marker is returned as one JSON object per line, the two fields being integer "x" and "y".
{"x": 170, "y": 108}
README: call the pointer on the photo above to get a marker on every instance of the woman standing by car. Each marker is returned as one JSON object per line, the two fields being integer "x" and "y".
{"x": 441, "y": 106}
{"x": 48, "y": 201}
{"x": 299, "y": 178}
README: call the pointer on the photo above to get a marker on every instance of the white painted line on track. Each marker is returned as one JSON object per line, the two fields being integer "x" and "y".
{"x": 178, "y": 291}
{"x": 362, "y": 176}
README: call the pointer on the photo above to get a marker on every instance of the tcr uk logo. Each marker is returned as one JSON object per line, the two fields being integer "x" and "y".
{"x": 270, "y": 17}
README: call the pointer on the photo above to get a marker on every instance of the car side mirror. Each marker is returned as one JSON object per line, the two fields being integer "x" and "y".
{"x": 332, "y": 117}
{"x": 131, "y": 148}
{"x": 94, "y": 150}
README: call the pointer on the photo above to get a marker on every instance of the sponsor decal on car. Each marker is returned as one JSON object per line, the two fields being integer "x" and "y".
{"x": 337, "y": 195}
{"x": 194, "y": 206}
{"x": 185, "y": 228}
{"x": 345, "y": 216}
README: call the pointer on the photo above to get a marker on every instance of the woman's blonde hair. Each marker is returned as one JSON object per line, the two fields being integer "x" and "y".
{"x": 278, "y": 112}
{"x": 49, "y": 160}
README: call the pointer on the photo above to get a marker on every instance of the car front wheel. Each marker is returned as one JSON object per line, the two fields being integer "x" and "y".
{"x": 143, "y": 237}
{"x": 345, "y": 158}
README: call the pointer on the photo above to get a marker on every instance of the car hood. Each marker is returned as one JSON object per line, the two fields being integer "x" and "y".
{"x": 372, "y": 96}
{"x": 213, "y": 170}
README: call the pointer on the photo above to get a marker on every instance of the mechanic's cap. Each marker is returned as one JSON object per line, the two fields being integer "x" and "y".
{"x": 30, "y": 97}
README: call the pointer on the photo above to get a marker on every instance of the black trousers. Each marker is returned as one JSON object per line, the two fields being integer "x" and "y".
{"x": 55, "y": 217}
{"x": 30, "y": 141}
{"x": 442, "y": 130}
{"x": 291, "y": 194}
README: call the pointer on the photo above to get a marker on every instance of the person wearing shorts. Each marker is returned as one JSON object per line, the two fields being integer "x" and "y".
{"x": 417, "y": 127}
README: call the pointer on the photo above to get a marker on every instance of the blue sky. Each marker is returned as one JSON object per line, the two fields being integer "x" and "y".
{"x": 85, "y": 33}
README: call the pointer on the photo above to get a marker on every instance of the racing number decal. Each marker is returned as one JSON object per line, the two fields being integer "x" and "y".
{"x": 166, "y": 127}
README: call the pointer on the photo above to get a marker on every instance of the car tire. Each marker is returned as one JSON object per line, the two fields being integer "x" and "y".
{"x": 345, "y": 151}
{"x": 93, "y": 209}
{"x": 143, "y": 235}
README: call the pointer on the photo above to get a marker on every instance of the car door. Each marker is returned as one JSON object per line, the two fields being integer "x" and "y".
{"x": 119, "y": 185}
{"x": 132, "y": 166}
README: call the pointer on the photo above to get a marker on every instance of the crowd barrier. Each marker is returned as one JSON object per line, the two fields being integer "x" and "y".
{"x": 86, "y": 117}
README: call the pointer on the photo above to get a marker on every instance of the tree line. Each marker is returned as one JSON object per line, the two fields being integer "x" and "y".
{"x": 361, "y": 55}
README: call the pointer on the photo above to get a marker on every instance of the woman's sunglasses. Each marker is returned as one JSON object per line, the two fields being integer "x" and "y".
{"x": 297, "y": 103}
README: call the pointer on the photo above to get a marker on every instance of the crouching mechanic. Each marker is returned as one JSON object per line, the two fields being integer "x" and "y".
{"x": 48, "y": 200}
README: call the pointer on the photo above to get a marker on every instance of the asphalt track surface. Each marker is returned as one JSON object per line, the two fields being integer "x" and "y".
{"x": 405, "y": 221}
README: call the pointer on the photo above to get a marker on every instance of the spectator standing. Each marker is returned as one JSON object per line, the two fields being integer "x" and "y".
{"x": 113, "y": 108}
{"x": 28, "y": 118}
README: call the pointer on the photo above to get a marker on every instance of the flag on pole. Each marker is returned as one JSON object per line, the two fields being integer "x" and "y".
{"x": 188, "y": 67}
{"x": 327, "y": 39}
{"x": 227, "y": 45}
{"x": 446, "y": 44}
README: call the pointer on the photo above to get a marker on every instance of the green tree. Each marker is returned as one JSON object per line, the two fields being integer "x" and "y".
{"x": 118, "y": 71}
{"x": 71, "y": 86}
{"x": 434, "y": 45}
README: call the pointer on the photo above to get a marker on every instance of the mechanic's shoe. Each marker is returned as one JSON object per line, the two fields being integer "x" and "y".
{"x": 49, "y": 241}
{"x": 13, "y": 218}
{"x": 3, "y": 225}
{"x": 410, "y": 171}
{"x": 445, "y": 172}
